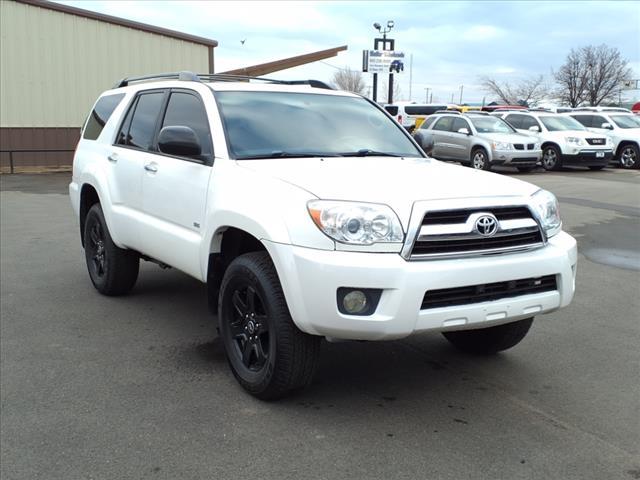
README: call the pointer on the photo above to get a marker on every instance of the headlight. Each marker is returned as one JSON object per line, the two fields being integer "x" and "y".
{"x": 609, "y": 142}
{"x": 356, "y": 223}
{"x": 574, "y": 140}
{"x": 501, "y": 146}
{"x": 546, "y": 207}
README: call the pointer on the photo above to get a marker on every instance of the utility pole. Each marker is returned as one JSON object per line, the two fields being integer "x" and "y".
{"x": 426, "y": 94}
{"x": 452, "y": 98}
{"x": 461, "y": 88}
{"x": 410, "y": 75}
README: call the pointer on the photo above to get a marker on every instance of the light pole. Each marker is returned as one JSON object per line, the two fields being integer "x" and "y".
{"x": 426, "y": 94}
{"x": 391, "y": 42}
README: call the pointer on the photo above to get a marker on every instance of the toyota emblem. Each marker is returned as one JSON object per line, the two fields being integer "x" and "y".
{"x": 487, "y": 225}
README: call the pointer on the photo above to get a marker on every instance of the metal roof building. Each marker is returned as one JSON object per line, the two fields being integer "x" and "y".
{"x": 54, "y": 62}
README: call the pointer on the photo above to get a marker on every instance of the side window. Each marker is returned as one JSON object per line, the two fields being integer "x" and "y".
{"x": 100, "y": 114}
{"x": 459, "y": 123}
{"x": 443, "y": 124}
{"x": 585, "y": 120}
{"x": 187, "y": 110}
{"x": 138, "y": 130}
{"x": 528, "y": 122}
{"x": 514, "y": 120}
{"x": 428, "y": 122}
{"x": 392, "y": 109}
{"x": 597, "y": 121}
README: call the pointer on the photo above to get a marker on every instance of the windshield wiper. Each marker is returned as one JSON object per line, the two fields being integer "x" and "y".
{"x": 284, "y": 154}
{"x": 366, "y": 152}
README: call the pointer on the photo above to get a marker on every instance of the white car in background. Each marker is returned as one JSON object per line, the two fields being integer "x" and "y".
{"x": 565, "y": 142}
{"x": 623, "y": 129}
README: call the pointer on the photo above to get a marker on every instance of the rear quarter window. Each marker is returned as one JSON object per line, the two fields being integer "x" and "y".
{"x": 100, "y": 115}
{"x": 393, "y": 111}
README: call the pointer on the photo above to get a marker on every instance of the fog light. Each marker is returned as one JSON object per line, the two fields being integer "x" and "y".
{"x": 354, "y": 302}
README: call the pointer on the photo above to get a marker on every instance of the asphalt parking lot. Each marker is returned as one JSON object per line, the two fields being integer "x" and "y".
{"x": 138, "y": 387}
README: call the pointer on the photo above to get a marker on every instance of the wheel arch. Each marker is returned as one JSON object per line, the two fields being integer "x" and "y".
{"x": 88, "y": 198}
{"x": 227, "y": 243}
{"x": 624, "y": 143}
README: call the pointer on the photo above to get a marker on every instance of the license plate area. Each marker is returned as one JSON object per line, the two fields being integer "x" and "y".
{"x": 599, "y": 154}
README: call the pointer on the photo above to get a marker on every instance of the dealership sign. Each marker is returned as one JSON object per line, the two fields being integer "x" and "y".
{"x": 382, "y": 61}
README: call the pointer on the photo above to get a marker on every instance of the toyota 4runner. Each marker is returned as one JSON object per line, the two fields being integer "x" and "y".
{"x": 309, "y": 213}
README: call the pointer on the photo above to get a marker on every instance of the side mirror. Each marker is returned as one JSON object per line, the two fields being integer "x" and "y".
{"x": 180, "y": 141}
{"x": 425, "y": 140}
{"x": 607, "y": 125}
{"x": 464, "y": 130}
{"x": 534, "y": 128}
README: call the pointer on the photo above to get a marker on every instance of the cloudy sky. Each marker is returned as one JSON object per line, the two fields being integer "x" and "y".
{"x": 452, "y": 43}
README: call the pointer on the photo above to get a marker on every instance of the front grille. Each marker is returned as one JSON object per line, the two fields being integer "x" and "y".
{"x": 530, "y": 146}
{"x": 518, "y": 146}
{"x": 460, "y": 216}
{"x": 596, "y": 141}
{"x": 450, "y": 233}
{"x": 476, "y": 244}
{"x": 448, "y": 297}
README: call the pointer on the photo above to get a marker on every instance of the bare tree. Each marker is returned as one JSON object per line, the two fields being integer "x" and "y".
{"x": 592, "y": 74}
{"x": 383, "y": 92}
{"x": 528, "y": 91}
{"x": 350, "y": 80}
{"x": 572, "y": 79}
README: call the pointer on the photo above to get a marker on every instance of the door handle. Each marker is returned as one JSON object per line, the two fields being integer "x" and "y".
{"x": 151, "y": 167}
{"x": 113, "y": 158}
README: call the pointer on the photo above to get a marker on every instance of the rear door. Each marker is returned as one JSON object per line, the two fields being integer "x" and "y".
{"x": 175, "y": 188}
{"x": 127, "y": 156}
{"x": 460, "y": 142}
{"x": 442, "y": 137}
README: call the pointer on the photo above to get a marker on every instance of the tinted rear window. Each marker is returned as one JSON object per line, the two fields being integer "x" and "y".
{"x": 100, "y": 114}
{"x": 393, "y": 111}
{"x": 423, "y": 109}
{"x": 144, "y": 120}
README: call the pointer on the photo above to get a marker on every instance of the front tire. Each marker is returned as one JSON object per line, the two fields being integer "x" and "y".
{"x": 551, "y": 158}
{"x": 268, "y": 354}
{"x": 629, "y": 156}
{"x": 113, "y": 270}
{"x": 479, "y": 160}
{"x": 486, "y": 341}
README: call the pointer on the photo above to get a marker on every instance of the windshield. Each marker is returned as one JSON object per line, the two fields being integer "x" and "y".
{"x": 491, "y": 125}
{"x": 556, "y": 123}
{"x": 285, "y": 124}
{"x": 626, "y": 121}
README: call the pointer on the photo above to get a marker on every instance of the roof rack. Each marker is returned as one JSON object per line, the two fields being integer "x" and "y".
{"x": 476, "y": 112}
{"x": 187, "y": 76}
{"x": 451, "y": 112}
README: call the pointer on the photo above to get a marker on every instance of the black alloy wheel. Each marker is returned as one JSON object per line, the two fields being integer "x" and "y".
{"x": 96, "y": 254}
{"x": 249, "y": 328}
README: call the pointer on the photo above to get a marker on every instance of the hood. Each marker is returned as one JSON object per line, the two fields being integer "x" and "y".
{"x": 397, "y": 182}
{"x": 575, "y": 133}
{"x": 508, "y": 137}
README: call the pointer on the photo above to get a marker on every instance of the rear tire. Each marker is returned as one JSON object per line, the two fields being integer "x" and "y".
{"x": 551, "y": 158}
{"x": 486, "y": 341}
{"x": 113, "y": 270}
{"x": 629, "y": 156}
{"x": 479, "y": 159}
{"x": 267, "y": 353}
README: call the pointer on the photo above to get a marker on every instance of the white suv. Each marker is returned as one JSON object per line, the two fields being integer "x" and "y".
{"x": 623, "y": 129}
{"x": 565, "y": 142}
{"x": 309, "y": 213}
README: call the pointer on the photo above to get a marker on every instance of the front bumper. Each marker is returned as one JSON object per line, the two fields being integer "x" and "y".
{"x": 310, "y": 279}
{"x": 588, "y": 158}
{"x": 516, "y": 158}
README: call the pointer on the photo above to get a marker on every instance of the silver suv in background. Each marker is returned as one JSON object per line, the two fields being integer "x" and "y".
{"x": 564, "y": 140}
{"x": 480, "y": 141}
{"x": 622, "y": 128}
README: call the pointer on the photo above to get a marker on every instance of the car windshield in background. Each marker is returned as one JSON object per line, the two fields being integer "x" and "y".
{"x": 487, "y": 124}
{"x": 554, "y": 124}
{"x": 286, "y": 124}
{"x": 626, "y": 121}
